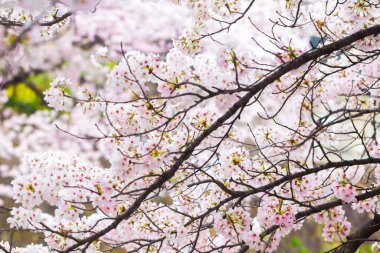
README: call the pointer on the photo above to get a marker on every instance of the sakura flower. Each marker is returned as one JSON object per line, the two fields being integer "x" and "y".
{"x": 236, "y": 221}
{"x": 341, "y": 229}
{"x": 55, "y": 96}
{"x": 368, "y": 205}
{"x": 344, "y": 190}
{"x": 24, "y": 218}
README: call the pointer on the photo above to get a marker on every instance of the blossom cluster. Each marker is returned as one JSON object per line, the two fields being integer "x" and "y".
{"x": 190, "y": 161}
{"x": 55, "y": 96}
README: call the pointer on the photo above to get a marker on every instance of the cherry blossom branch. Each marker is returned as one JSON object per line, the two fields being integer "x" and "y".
{"x": 355, "y": 239}
{"x": 56, "y": 20}
{"x": 241, "y": 103}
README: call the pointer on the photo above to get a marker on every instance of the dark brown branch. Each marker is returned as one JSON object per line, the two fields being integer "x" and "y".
{"x": 290, "y": 177}
{"x": 56, "y": 20}
{"x": 326, "y": 206}
{"x": 255, "y": 89}
{"x": 355, "y": 239}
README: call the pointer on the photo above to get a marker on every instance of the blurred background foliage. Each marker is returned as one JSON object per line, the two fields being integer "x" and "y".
{"x": 27, "y": 97}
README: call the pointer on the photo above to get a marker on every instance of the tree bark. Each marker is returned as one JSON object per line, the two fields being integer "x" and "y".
{"x": 355, "y": 239}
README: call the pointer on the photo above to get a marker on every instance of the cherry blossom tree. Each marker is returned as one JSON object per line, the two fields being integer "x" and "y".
{"x": 261, "y": 116}
{"x": 83, "y": 55}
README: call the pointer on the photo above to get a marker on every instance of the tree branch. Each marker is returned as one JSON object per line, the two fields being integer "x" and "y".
{"x": 259, "y": 86}
{"x": 355, "y": 239}
{"x": 9, "y": 23}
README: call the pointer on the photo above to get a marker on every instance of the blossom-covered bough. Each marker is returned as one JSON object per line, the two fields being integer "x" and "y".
{"x": 216, "y": 145}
